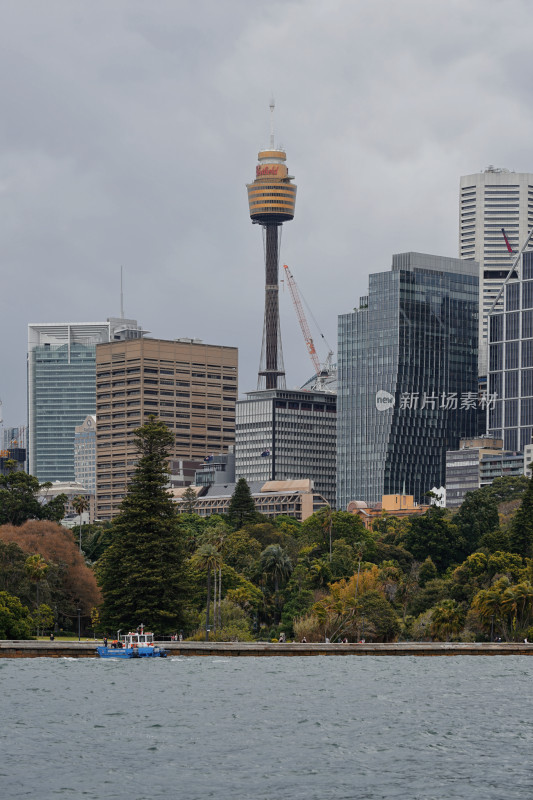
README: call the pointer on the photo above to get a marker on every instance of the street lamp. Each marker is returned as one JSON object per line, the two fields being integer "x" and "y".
{"x": 492, "y": 627}
{"x": 78, "y": 611}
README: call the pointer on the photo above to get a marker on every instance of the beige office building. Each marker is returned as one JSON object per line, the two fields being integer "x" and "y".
{"x": 190, "y": 386}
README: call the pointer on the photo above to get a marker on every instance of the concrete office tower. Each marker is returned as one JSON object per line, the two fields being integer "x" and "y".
{"x": 463, "y": 467}
{"x": 407, "y": 378}
{"x": 489, "y": 201}
{"x": 284, "y": 435}
{"x": 62, "y": 389}
{"x": 85, "y": 453}
{"x": 271, "y": 198}
{"x": 511, "y": 362}
{"x": 190, "y": 386}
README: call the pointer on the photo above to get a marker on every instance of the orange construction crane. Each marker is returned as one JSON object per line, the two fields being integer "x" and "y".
{"x": 303, "y": 321}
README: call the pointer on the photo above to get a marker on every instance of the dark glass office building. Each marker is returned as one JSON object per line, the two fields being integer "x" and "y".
{"x": 407, "y": 378}
{"x": 511, "y": 362}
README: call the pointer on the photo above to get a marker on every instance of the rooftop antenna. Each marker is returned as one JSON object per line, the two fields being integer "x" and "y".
{"x": 272, "y": 107}
{"x": 121, "y": 296}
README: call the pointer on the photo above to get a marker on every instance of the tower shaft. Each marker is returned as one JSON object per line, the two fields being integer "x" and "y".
{"x": 273, "y": 358}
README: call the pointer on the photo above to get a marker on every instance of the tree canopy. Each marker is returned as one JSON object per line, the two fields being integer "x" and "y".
{"x": 521, "y": 532}
{"x": 19, "y": 500}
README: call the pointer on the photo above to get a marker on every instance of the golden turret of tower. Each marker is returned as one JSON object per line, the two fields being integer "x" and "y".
{"x": 271, "y": 196}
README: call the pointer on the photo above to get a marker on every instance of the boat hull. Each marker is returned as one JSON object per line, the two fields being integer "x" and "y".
{"x": 130, "y": 652}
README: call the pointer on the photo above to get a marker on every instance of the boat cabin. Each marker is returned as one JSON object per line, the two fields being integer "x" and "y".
{"x": 138, "y": 638}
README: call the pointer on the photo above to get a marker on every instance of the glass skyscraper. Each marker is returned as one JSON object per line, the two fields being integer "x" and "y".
{"x": 62, "y": 388}
{"x": 407, "y": 377}
{"x": 511, "y": 362}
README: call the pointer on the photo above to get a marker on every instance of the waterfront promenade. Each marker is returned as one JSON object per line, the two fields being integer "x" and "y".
{"x": 58, "y": 649}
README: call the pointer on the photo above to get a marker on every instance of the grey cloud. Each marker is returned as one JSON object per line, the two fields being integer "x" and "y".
{"x": 129, "y": 130}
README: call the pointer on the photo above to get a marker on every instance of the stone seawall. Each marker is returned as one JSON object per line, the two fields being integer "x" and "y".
{"x": 25, "y": 649}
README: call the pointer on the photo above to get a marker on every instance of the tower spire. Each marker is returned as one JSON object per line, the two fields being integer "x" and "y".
{"x": 272, "y": 107}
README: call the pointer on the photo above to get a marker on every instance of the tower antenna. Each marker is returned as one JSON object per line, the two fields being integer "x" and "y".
{"x": 272, "y": 107}
{"x": 121, "y": 296}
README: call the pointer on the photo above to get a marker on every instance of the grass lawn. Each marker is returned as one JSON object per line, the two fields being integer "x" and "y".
{"x": 61, "y": 638}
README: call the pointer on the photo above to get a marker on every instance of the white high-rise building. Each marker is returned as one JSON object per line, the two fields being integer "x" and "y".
{"x": 489, "y": 201}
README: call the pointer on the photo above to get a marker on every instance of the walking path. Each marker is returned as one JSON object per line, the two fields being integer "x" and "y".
{"x": 58, "y": 649}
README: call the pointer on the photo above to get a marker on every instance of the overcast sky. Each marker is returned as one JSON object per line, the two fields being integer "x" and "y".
{"x": 129, "y": 129}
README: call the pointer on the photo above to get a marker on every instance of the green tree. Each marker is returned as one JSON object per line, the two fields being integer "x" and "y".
{"x": 376, "y": 619}
{"x": 188, "y": 499}
{"x": 142, "y": 574}
{"x": 241, "y": 551}
{"x": 208, "y": 559}
{"x": 518, "y": 601}
{"x": 507, "y": 488}
{"x": 430, "y": 595}
{"x": 447, "y": 620}
{"x": 276, "y": 564}
{"x": 36, "y": 569}
{"x": 433, "y": 535}
{"x": 503, "y": 563}
{"x": 521, "y": 533}
{"x": 342, "y": 560}
{"x": 43, "y": 618}
{"x": 13, "y": 574}
{"x": 489, "y": 604}
{"x": 95, "y": 539}
{"x": 80, "y": 504}
{"x": 477, "y": 516}
{"x": 15, "y": 619}
{"x": 427, "y": 572}
{"x": 242, "y": 507}
{"x": 19, "y": 500}
{"x": 342, "y": 525}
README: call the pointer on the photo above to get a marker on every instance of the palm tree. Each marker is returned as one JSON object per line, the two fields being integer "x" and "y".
{"x": 276, "y": 564}
{"x": 489, "y": 604}
{"x": 447, "y": 619}
{"x": 327, "y": 524}
{"x": 80, "y": 504}
{"x": 359, "y": 550}
{"x": 207, "y": 557}
{"x": 320, "y": 571}
{"x": 518, "y": 600}
{"x": 36, "y": 568}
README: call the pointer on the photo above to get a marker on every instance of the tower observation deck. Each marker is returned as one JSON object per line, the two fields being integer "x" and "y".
{"x": 271, "y": 198}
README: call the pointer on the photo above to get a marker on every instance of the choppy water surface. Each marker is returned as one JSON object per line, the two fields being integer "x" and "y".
{"x": 267, "y": 728}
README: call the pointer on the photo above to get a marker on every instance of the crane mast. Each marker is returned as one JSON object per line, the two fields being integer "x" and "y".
{"x": 302, "y": 320}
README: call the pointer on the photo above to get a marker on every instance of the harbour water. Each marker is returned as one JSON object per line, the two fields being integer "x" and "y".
{"x": 266, "y": 729}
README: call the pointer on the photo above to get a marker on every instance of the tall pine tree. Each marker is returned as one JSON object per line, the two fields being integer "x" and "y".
{"x": 521, "y": 533}
{"x": 242, "y": 507}
{"x": 142, "y": 573}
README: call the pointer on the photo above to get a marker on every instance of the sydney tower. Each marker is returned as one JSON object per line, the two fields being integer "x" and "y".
{"x": 271, "y": 198}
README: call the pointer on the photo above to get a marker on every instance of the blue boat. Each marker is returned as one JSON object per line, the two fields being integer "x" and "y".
{"x": 135, "y": 644}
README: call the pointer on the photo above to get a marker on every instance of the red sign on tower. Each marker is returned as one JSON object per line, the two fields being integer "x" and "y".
{"x": 259, "y": 171}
